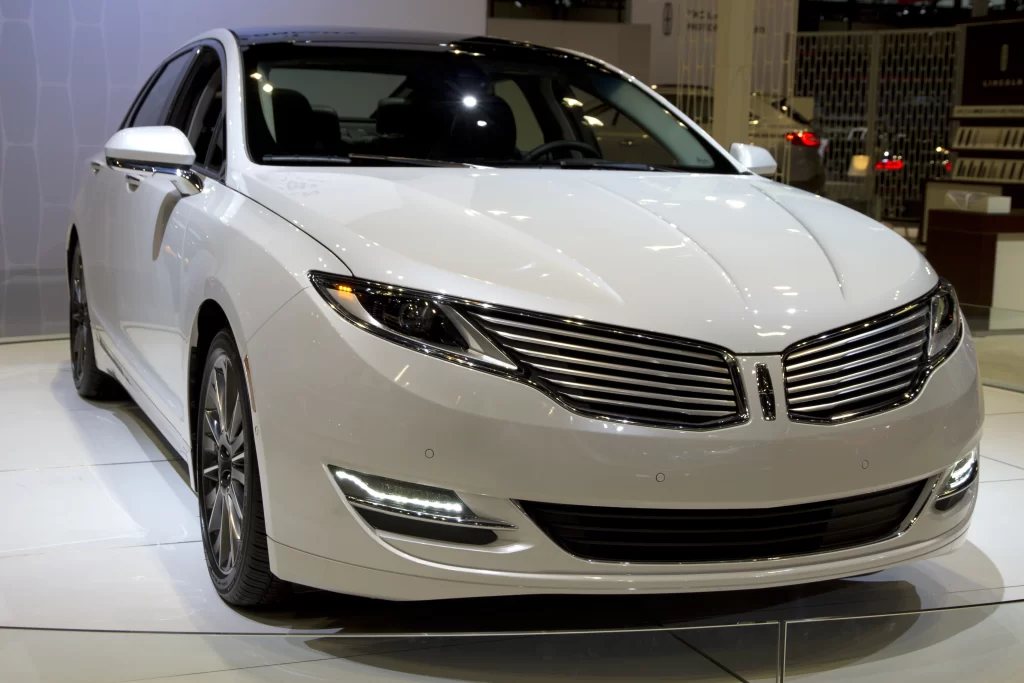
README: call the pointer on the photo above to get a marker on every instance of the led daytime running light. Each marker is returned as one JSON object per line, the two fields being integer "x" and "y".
{"x": 401, "y": 501}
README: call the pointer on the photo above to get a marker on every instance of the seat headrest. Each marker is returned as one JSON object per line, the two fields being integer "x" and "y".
{"x": 486, "y": 130}
{"x": 294, "y": 125}
{"x": 394, "y": 115}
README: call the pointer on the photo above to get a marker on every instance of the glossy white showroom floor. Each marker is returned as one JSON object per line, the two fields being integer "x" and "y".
{"x": 102, "y": 578}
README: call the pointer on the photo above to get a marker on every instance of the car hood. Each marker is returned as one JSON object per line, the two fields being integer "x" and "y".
{"x": 732, "y": 260}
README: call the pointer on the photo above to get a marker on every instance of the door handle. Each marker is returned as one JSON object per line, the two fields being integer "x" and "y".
{"x": 132, "y": 181}
{"x": 96, "y": 166}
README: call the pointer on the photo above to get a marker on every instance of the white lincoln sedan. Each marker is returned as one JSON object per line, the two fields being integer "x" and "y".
{"x": 421, "y": 328}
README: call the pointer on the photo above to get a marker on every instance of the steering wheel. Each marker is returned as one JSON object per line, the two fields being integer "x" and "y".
{"x": 548, "y": 147}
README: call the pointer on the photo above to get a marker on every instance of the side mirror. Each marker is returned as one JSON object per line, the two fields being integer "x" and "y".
{"x": 157, "y": 149}
{"x": 756, "y": 159}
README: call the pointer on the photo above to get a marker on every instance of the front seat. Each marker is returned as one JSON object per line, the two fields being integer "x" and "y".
{"x": 298, "y": 128}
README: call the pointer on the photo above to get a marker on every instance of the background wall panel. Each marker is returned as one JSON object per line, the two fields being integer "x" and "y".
{"x": 69, "y": 70}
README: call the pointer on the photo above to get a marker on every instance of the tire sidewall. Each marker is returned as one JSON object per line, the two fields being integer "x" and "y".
{"x": 227, "y": 584}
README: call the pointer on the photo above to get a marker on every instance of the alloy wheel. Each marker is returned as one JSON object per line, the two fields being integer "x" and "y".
{"x": 223, "y": 456}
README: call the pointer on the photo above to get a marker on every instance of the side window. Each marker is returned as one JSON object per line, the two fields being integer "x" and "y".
{"x": 199, "y": 110}
{"x": 528, "y": 131}
{"x": 152, "y": 110}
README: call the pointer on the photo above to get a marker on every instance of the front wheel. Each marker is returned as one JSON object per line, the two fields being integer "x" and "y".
{"x": 230, "y": 502}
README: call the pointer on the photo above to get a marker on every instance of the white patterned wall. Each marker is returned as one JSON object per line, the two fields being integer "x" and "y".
{"x": 69, "y": 70}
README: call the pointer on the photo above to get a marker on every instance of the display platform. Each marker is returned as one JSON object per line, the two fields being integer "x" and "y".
{"x": 102, "y": 577}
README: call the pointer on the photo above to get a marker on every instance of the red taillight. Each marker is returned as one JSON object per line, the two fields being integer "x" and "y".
{"x": 803, "y": 137}
{"x": 949, "y": 165}
{"x": 889, "y": 165}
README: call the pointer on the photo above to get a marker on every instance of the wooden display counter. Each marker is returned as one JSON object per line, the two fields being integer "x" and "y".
{"x": 981, "y": 254}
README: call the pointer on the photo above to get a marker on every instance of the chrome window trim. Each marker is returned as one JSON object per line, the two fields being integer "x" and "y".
{"x": 741, "y": 416}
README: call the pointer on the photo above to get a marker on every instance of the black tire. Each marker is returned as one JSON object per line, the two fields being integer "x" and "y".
{"x": 89, "y": 380}
{"x": 228, "y": 483}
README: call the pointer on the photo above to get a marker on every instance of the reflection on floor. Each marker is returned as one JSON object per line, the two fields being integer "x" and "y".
{"x": 101, "y": 532}
{"x": 1001, "y": 359}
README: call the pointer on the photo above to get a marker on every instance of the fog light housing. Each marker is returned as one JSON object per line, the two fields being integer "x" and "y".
{"x": 961, "y": 475}
{"x": 394, "y": 497}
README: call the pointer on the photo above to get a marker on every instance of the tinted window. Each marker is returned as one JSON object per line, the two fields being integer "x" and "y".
{"x": 205, "y": 116}
{"x": 491, "y": 104}
{"x": 152, "y": 110}
{"x": 200, "y": 107}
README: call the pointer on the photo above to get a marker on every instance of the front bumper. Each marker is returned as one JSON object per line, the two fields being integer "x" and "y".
{"x": 327, "y": 393}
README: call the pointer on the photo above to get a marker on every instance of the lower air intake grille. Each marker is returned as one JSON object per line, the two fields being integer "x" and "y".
{"x": 614, "y": 373}
{"x": 866, "y": 368}
{"x": 689, "y": 536}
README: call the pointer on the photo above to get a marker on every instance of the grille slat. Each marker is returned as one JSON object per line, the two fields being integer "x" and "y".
{"x": 769, "y": 516}
{"x": 649, "y": 406}
{"x": 859, "y": 349}
{"x": 612, "y": 378}
{"x": 733, "y": 542}
{"x": 864, "y": 369}
{"x": 857, "y": 337}
{"x": 914, "y": 345}
{"x": 852, "y": 387}
{"x": 615, "y": 366}
{"x": 915, "y": 359}
{"x": 614, "y": 373}
{"x": 702, "y": 400}
{"x": 608, "y": 352}
{"x": 590, "y": 337}
{"x": 888, "y": 391}
{"x": 688, "y": 536}
{"x": 748, "y": 529}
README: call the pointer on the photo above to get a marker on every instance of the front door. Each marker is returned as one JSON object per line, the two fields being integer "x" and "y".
{"x": 154, "y": 222}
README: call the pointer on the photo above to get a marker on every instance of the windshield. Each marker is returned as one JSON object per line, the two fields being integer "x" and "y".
{"x": 487, "y": 104}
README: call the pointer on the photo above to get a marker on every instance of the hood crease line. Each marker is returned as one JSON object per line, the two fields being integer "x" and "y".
{"x": 810, "y": 232}
{"x": 669, "y": 223}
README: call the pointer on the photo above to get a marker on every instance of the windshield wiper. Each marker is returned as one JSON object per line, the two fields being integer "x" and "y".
{"x": 608, "y": 165}
{"x": 583, "y": 164}
{"x": 362, "y": 159}
{"x": 407, "y": 161}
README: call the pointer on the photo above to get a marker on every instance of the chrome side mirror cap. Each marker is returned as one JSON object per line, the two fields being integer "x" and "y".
{"x": 156, "y": 149}
{"x": 756, "y": 159}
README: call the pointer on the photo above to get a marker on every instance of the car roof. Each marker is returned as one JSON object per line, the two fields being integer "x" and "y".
{"x": 320, "y": 35}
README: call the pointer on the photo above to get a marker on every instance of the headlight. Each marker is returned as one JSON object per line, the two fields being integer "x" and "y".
{"x": 419, "y": 320}
{"x": 945, "y": 321}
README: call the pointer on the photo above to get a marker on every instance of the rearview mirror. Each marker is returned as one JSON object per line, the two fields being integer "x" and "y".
{"x": 756, "y": 159}
{"x": 157, "y": 149}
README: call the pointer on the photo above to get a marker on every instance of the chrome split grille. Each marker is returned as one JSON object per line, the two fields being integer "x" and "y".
{"x": 620, "y": 374}
{"x": 867, "y": 368}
